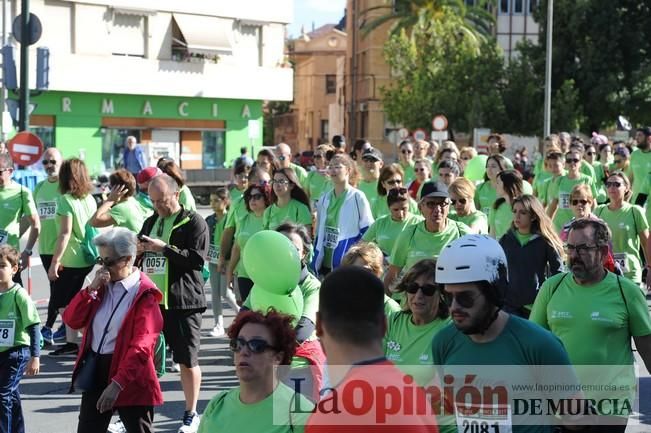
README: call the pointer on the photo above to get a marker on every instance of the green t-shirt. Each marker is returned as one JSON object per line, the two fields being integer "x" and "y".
{"x": 410, "y": 346}
{"x": 46, "y": 194}
{"x": 186, "y": 199}
{"x": 390, "y": 306}
{"x": 626, "y": 224}
{"x": 247, "y": 227}
{"x": 380, "y": 208}
{"x": 300, "y": 173}
{"x": 410, "y": 174}
{"x": 520, "y": 343}
{"x": 128, "y": 214}
{"x": 17, "y": 312}
{"x": 216, "y": 239}
{"x": 16, "y": 201}
{"x": 538, "y": 182}
{"x": 317, "y": 184}
{"x": 587, "y": 169}
{"x": 485, "y": 196}
{"x": 295, "y": 212}
{"x": 477, "y": 221}
{"x": 500, "y": 219}
{"x": 235, "y": 194}
{"x": 227, "y": 413}
{"x": 370, "y": 191}
{"x": 599, "y": 175}
{"x": 595, "y": 323}
{"x": 641, "y": 167}
{"x": 560, "y": 189}
{"x": 79, "y": 210}
{"x": 384, "y": 231}
{"x": 332, "y": 225}
{"x": 236, "y": 212}
{"x": 146, "y": 206}
{"x": 416, "y": 243}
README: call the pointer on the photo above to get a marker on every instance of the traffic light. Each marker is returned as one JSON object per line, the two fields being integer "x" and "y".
{"x": 9, "y": 67}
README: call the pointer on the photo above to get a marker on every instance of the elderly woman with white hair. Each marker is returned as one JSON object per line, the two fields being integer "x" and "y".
{"x": 122, "y": 320}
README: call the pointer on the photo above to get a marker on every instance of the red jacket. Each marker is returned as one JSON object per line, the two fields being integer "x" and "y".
{"x": 132, "y": 365}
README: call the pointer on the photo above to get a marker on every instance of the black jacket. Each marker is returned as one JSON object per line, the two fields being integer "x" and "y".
{"x": 186, "y": 253}
{"x": 529, "y": 266}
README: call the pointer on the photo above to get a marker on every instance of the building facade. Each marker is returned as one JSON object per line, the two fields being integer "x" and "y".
{"x": 188, "y": 79}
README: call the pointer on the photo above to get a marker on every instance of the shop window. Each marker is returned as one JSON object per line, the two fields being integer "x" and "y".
{"x": 45, "y": 133}
{"x": 214, "y": 149}
{"x": 113, "y": 142}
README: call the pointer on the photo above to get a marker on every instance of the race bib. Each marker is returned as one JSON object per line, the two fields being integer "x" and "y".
{"x": 7, "y": 333}
{"x": 47, "y": 209}
{"x": 331, "y": 237}
{"x": 4, "y": 237}
{"x": 564, "y": 200}
{"x": 620, "y": 259}
{"x": 484, "y": 419}
{"x": 154, "y": 264}
{"x": 213, "y": 254}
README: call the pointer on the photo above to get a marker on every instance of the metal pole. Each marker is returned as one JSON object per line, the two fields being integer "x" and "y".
{"x": 23, "y": 120}
{"x": 353, "y": 77}
{"x": 548, "y": 69}
{"x": 3, "y": 91}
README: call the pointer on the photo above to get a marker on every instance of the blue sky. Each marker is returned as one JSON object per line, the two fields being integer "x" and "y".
{"x": 318, "y": 11}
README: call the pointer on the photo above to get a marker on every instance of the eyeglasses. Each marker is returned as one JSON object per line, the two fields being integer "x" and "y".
{"x": 318, "y": 156}
{"x": 618, "y": 161}
{"x": 256, "y": 196}
{"x": 433, "y": 204}
{"x": 613, "y": 184}
{"x": 572, "y": 160}
{"x": 407, "y": 151}
{"x": 255, "y": 345}
{"x": 369, "y": 159}
{"x": 461, "y": 201}
{"x": 49, "y": 161}
{"x": 577, "y": 202}
{"x": 394, "y": 181}
{"x": 107, "y": 261}
{"x": 427, "y": 289}
{"x": 579, "y": 249}
{"x": 281, "y": 182}
{"x": 464, "y": 299}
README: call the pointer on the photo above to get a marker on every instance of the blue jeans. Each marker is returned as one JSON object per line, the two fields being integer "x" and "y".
{"x": 12, "y": 368}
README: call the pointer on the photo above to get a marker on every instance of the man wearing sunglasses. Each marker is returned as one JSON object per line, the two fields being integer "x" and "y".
{"x": 371, "y": 165}
{"x": 482, "y": 337}
{"x": 596, "y": 313}
{"x": 16, "y": 202}
{"x": 46, "y": 194}
{"x": 284, "y": 155}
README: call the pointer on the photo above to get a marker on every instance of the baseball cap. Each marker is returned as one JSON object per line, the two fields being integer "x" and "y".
{"x": 372, "y": 153}
{"x": 147, "y": 174}
{"x": 434, "y": 189}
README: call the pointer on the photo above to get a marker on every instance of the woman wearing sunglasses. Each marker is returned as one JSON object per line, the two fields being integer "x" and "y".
{"x": 466, "y": 154}
{"x": 262, "y": 403}
{"x": 318, "y": 180}
{"x": 386, "y": 229}
{"x": 257, "y": 200}
{"x": 120, "y": 209}
{"x": 509, "y": 187}
{"x": 559, "y": 190}
{"x": 628, "y": 224}
{"x": 462, "y": 192}
{"x": 408, "y": 339}
{"x": 391, "y": 177}
{"x": 423, "y": 170}
{"x": 289, "y": 202}
{"x": 406, "y": 160}
{"x": 533, "y": 251}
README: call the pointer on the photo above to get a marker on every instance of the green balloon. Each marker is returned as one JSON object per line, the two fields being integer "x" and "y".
{"x": 476, "y": 168}
{"x": 290, "y": 304}
{"x": 271, "y": 260}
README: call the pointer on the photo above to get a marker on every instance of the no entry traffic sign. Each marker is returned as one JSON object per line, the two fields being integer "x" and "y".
{"x": 25, "y": 148}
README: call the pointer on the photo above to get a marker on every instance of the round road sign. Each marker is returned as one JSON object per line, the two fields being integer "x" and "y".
{"x": 440, "y": 123}
{"x": 33, "y": 33}
{"x": 25, "y": 148}
{"x": 420, "y": 134}
{"x": 403, "y": 133}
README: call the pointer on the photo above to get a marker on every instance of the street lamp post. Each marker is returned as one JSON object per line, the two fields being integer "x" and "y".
{"x": 548, "y": 69}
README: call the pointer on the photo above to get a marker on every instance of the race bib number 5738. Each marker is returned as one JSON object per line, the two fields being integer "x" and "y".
{"x": 7, "y": 332}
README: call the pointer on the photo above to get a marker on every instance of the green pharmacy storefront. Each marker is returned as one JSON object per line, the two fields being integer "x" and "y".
{"x": 202, "y": 134}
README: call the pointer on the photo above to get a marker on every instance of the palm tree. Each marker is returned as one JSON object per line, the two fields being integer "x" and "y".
{"x": 406, "y": 13}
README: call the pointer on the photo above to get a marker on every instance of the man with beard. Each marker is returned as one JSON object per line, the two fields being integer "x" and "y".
{"x": 473, "y": 270}
{"x": 641, "y": 161}
{"x": 595, "y": 312}
{"x": 46, "y": 194}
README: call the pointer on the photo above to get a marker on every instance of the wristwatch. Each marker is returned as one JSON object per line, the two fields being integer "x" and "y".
{"x": 28, "y": 252}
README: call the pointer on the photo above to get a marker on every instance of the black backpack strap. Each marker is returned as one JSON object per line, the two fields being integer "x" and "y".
{"x": 558, "y": 284}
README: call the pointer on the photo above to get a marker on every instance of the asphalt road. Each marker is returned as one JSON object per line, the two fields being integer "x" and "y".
{"x": 48, "y": 407}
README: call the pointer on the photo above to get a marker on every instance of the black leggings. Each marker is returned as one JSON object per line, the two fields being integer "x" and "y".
{"x": 52, "y": 312}
{"x": 244, "y": 285}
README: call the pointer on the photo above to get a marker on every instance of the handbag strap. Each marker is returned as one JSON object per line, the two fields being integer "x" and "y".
{"x": 101, "y": 342}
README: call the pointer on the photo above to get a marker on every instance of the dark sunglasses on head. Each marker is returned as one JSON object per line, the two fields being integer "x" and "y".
{"x": 613, "y": 184}
{"x": 464, "y": 299}
{"x": 49, "y": 161}
{"x": 572, "y": 160}
{"x": 255, "y": 345}
{"x": 576, "y": 202}
{"x": 107, "y": 261}
{"x": 428, "y": 289}
{"x": 461, "y": 201}
{"x": 398, "y": 191}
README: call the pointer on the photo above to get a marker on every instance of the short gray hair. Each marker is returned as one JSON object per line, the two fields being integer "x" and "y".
{"x": 122, "y": 241}
{"x": 165, "y": 179}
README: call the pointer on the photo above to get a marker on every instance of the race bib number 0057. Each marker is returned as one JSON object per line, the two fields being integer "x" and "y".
{"x": 154, "y": 264}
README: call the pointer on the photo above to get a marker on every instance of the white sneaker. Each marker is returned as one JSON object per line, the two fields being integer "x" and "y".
{"x": 217, "y": 331}
{"x": 117, "y": 427}
{"x": 175, "y": 368}
{"x": 190, "y": 422}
